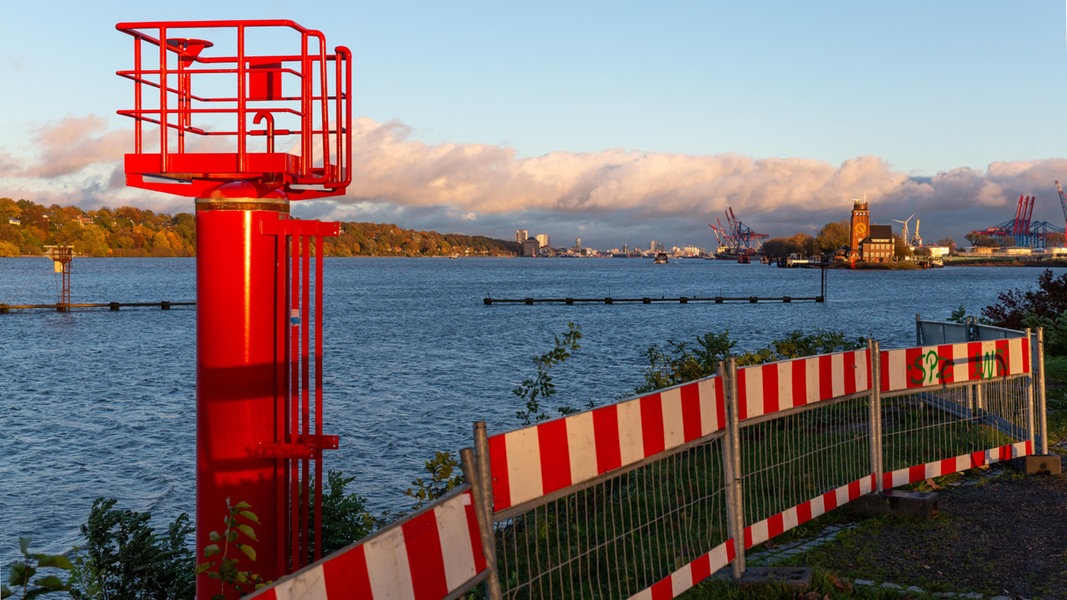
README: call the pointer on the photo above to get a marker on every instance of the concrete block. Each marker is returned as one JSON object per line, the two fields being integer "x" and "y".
{"x": 909, "y": 505}
{"x": 793, "y": 579}
{"x": 1045, "y": 464}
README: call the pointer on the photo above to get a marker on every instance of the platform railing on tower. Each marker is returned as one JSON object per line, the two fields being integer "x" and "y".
{"x": 211, "y": 111}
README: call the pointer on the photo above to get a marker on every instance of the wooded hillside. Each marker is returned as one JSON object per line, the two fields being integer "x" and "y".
{"x": 26, "y": 228}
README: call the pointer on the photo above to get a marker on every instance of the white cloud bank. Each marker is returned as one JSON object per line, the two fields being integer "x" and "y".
{"x": 609, "y": 197}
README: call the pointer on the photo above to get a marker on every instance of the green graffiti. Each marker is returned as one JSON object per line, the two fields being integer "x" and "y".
{"x": 928, "y": 368}
{"x": 991, "y": 364}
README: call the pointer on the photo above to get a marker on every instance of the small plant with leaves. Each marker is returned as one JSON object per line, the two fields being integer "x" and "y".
{"x": 444, "y": 476}
{"x": 533, "y": 391}
{"x": 223, "y": 564}
{"x": 28, "y": 578}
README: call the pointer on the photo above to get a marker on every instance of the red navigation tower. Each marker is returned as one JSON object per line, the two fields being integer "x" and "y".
{"x": 244, "y": 132}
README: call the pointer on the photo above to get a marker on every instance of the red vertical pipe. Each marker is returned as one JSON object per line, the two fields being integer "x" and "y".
{"x": 294, "y": 396}
{"x": 305, "y": 337}
{"x": 318, "y": 395}
{"x": 236, "y": 379}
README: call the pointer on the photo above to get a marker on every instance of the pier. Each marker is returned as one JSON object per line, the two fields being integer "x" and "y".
{"x": 114, "y": 306}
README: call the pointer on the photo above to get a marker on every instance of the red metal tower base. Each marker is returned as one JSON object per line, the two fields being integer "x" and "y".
{"x": 236, "y": 373}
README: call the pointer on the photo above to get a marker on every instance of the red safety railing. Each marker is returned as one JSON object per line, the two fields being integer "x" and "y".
{"x": 286, "y": 127}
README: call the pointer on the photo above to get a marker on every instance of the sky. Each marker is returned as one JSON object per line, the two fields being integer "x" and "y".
{"x": 614, "y": 122}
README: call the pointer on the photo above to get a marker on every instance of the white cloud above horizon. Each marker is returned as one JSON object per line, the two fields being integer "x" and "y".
{"x": 608, "y": 198}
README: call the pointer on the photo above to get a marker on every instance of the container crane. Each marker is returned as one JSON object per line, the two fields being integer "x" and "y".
{"x": 735, "y": 238}
{"x": 1022, "y": 231}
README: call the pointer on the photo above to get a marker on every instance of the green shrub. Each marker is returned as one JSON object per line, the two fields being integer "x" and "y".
{"x": 679, "y": 363}
{"x": 345, "y": 518}
{"x": 124, "y": 557}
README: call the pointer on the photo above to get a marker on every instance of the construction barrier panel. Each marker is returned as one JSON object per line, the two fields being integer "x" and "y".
{"x": 647, "y": 497}
{"x": 431, "y": 554}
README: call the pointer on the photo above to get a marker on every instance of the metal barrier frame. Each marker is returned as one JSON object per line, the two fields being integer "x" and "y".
{"x": 514, "y": 474}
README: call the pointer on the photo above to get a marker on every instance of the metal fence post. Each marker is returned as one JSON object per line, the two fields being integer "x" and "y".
{"x": 1030, "y": 407}
{"x": 1038, "y": 369}
{"x": 874, "y": 356}
{"x": 735, "y": 512}
{"x": 482, "y": 487}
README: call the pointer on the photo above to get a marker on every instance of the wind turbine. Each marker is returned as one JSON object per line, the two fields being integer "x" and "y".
{"x": 904, "y": 233}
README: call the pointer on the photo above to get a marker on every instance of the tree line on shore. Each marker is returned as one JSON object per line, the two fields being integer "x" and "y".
{"x": 28, "y": 228}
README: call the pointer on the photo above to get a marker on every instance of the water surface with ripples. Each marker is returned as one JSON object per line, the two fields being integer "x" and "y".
{"x": 101, "y": 403}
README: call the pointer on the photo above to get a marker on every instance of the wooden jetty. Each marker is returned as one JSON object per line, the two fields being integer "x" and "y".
{"x": 68, "y": 306}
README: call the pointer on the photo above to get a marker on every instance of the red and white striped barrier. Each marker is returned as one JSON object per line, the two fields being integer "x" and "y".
{"x": 438, "y": 552}
{"x": 773, "y": 526}
{"x": 947, "y": 466}
{"x": 425, "y": 557}
{"x": 769, "y": 388}
{"x": 911, "y": 368}
{"x": 534, "y": 461}
{"x": 691, "y": 574}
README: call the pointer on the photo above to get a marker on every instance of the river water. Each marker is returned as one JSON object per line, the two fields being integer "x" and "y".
{"x": 100, "y": 403}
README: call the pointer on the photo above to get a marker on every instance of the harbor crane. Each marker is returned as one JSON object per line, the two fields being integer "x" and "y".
{"x": 735, "y": 237}
{"x": 1022, "y": 231}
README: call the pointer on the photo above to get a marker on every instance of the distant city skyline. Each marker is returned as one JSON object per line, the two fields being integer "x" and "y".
{"x": 646, "y": 121}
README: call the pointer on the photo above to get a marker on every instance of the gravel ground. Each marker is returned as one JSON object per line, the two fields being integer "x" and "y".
{"x": 996, "y": 534}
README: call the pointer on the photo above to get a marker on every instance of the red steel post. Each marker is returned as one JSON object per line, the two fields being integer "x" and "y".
{"x": 236, "y": 391}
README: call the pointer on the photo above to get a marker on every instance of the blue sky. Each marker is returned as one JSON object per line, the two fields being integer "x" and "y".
{"x": 616, "y": 122}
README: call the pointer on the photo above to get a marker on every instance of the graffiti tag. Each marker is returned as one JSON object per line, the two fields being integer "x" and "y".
{"x": 990, "y": 364}
{"x": 928, "y": 368}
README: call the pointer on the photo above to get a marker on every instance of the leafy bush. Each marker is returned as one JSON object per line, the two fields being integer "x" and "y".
{"x": 444, "y": 476}
{"x": 1044, "y": 307}
{"x": 345, "y": 518}
{"x": 677, "y": 363}
{"x": 1014, "y": 306}
{"x": 125, "y": 558}
{"x": 796, "y": 344}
